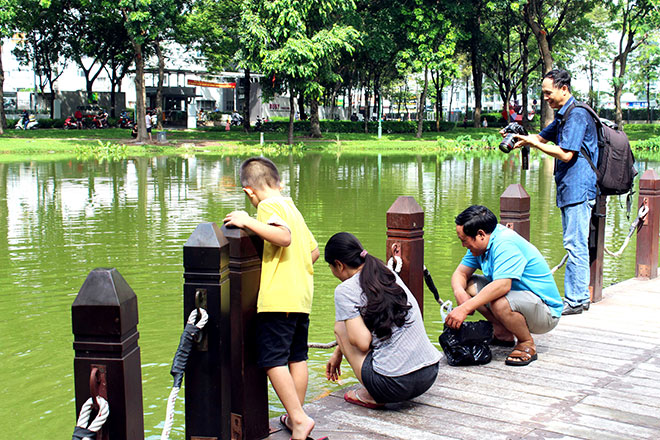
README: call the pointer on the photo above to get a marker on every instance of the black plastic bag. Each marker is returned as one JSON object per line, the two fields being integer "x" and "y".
{"x": 468, "y": 345}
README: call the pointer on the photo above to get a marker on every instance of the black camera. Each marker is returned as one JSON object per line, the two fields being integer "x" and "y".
{"x": 509, "y": 140}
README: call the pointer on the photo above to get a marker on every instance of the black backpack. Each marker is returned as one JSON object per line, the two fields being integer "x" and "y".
{"x": 615, "y": 171}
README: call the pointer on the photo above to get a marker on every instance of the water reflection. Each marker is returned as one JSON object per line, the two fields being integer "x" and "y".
{"x": 60, "y": 220}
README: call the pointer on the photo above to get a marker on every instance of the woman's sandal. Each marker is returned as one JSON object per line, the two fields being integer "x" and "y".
{"x": 355, "y": 399}
{"x": 522, "y": 354}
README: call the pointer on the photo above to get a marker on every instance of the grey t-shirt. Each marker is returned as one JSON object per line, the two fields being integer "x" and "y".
{"x": 407, "y": 350}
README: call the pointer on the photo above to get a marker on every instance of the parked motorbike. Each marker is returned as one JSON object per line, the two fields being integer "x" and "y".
{"x": 100, "y": 122}
{"x": 236, "y": 119}
{"x": 32, "y": 123}
{"x": 125, "y": 121}
{"x": 70, "y": 123}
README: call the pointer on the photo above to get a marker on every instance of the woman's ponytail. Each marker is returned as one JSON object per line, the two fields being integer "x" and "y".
{"x": 387, "y": 303}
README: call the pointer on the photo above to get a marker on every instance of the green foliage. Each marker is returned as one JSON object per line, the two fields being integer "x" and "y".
{"x": 466, "y": 143}
{"x": 652, "y": 144}
{"x": 329, "y": 126}
{"x": 101, "y": 151}
{"x": 51, "y": 123}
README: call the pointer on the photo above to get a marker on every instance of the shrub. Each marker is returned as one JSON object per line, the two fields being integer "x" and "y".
{"x": 652, "y": 144}
{"x": 330, "y": 126}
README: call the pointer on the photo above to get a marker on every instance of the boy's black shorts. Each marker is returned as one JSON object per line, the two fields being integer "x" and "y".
{"x": 281, "y": 338}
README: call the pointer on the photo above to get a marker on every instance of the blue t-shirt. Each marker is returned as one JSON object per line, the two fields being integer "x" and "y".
{"x": 576, "y": 181}
{"x": 508, "y": 255}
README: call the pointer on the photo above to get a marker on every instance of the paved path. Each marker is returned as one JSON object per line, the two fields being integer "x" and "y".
{"x": 597, "y": 377}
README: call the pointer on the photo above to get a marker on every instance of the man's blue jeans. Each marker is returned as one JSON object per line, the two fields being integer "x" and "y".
{"x": 575, "y": 221}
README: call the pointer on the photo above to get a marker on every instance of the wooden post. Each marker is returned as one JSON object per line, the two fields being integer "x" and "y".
{"x": 405, "y": 235}
{"x": 647, "y": 236}
{"x": 207, "y": 379}
{"x": 514, "y": 209}
{"x": 104, "y": 317}
{"x": 249, "y": 394}
{"x": 596, "y": 248}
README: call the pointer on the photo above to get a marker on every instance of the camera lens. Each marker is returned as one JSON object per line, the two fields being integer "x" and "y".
{"x": 507, "y": 143}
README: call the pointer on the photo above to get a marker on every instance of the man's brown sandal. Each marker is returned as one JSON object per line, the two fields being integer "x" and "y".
{"x": 522, "y": 354}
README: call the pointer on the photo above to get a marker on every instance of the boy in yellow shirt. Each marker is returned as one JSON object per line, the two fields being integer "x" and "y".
{"x": 286, "y": 289}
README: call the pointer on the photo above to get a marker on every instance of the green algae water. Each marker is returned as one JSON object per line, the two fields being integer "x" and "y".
{"x": 61, "y": 219}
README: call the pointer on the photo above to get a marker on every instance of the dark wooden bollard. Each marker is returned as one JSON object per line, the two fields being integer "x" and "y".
{"x": 647, "y": 235}
{"x": 207, "y": 379}
{"x": 514, "y": 209}
{"x": 105, "y": 318}
{"x": 249, "y": 393}
{"x": 405, "y": 235}
{"x": 597, "y": 248}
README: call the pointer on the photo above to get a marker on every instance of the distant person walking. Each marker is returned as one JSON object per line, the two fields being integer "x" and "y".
{"x": 147, "y": 120}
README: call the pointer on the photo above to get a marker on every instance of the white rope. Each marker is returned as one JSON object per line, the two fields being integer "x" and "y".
{"x": 171, "y": 401}
{"x": 561, "y": 263}
{"x": 169, "y": 418}
{"x": 399, "y": 263}
{"x": 643, "y": 210}
{"x": 448, "y": 306}
{"x": 202, "y": 320}
{"x": 101, "y": 417}
{"x": 320, "y": 345}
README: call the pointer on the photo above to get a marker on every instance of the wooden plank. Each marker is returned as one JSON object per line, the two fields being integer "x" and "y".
{"x": 597, "y": 377}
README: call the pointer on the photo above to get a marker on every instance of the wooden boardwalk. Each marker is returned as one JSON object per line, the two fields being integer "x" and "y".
{"x": 597, "y": 377}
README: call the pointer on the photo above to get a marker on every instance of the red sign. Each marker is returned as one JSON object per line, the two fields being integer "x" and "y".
{"x": 194, "y": 82}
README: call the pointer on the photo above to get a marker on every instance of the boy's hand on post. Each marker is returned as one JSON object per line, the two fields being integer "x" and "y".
{"x": 238, "y": 219}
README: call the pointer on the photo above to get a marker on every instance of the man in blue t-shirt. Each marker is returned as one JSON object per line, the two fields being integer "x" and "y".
{"x": 576, "y": 181}
{"x": 517, "y": 292}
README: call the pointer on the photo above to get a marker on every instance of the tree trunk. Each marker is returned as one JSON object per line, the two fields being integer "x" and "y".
{"x": 477, "y": 80}
{"x": 451, "y": 101}
{"x": 591, "y": 84}
{"x": 467, "y": 97}
{"x": 292, "y": 114}
{"x": 315, "y": 126}
{"x": 350, "y": 100}
{"x": 547, "y": 114}
{"x": 140, "y": 92}
{"x": 366, "y": 107}
{"x": 3, "y": 120}
{"x": 301, "y": 106}
{"x": 246, "y": 108}
{"x": 422, "y": 104}
{"x": 648, "y": 102}
{"x": 159, "y": 89}
{"x": 524, "y": 82}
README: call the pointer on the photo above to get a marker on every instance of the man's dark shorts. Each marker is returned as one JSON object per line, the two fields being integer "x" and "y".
{"x": 281, "y": 338}
{"x": 386, "y": 389}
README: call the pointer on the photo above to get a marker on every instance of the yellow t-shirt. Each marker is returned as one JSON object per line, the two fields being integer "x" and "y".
{"x": 287, "y": 274}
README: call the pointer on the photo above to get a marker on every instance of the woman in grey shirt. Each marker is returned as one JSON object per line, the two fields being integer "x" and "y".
{"x": 379, "y": 328}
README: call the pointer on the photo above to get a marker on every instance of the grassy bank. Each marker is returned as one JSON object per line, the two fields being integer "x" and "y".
{"x": 114, "y": 143}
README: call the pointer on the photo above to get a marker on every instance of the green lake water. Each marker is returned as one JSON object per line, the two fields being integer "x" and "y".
{"x": 59, "y": 220}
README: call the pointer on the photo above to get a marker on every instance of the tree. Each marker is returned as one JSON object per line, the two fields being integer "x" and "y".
{"x": 43, "y": 44}
{"x": 632, "y": 19}
{"x": 546, "y": 19}
{"x": 145, "y": 21}
{"x": 212, "y": 28}
{"x": 646, "y": 71}
{"x": 431, "y": 41}
{"x": 592, "y": 49}
{"x": 7, "y": 11}
{"x": 279, "y": 38}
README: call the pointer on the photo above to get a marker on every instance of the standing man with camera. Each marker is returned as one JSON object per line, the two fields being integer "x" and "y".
{"x": 576, "y": 181}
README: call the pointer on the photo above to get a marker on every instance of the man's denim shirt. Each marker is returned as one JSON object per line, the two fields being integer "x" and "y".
{"x": 576, "y": 181}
